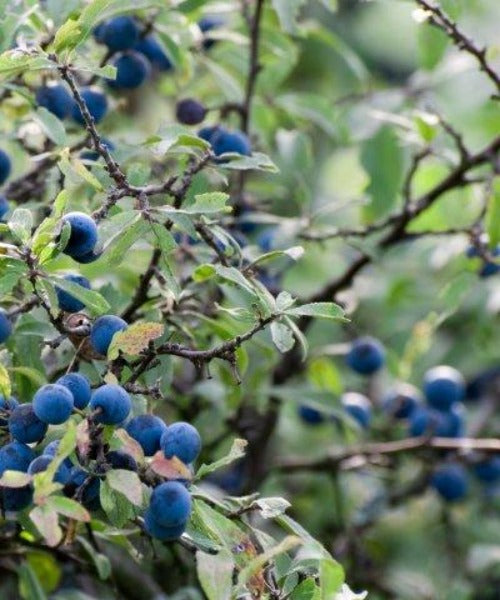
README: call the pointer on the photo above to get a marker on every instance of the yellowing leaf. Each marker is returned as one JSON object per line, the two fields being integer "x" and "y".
{"x": 134, "y": 339}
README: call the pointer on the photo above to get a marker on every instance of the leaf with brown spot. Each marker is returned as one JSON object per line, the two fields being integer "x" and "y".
{"x": 134, "y": 339}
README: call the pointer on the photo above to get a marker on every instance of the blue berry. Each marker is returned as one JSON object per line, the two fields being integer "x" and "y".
{"x": 170, "y": 504}
{"x": 165, "y": 534}
{"x": 428, "y": 421}
{"x": 114, "y": 402}
{"x": 68, "y": 302}
{"x": 5, "y": 326}
{"x": 51, "y": 448}
{"x": 121, "y": 460}
{"x": 181, "y": 440}
{"x": 358, "y": 407}
{"x": 488, "y": 471}
{"x": 402, "y": 401}
{"x": 190, "y": 111}
{"x": 79, "y": 387}
{"x": 209, "y": 133}
{"x": 56, "y": 99}
{"x": 132, "y": 69}
{"x": 147, "y": 430}
{"x": 103, "y": 330}
{"x": 83, "y": 234}
{"x": 41, "y": 463}
{"x": 4, "y": 207}
{"x": 5, "y": 166}
{"x": 15, "y": 456}
{"x": 87, "y": 258}
{"x": 14, "y": 499}
{"x": 90, "y": 497}
{"x": 310, "y": 415}
{"x": 450, "y": 482}
{"x": 235, "y": 142}
{"x": 7, "y": 405}
{"x": 94, "y": 155}
{"x": 443, "y": 387}
{"x": 25, "y": 426}
{"x": 153, "y": 51}
{"x": 119, "y": 33}
{"x": 97, "y": 105}
{"x": 366, "y": 356}
{"x": 53, "y": 404}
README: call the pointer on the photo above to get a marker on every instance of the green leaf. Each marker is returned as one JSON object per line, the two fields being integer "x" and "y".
{"x": 176, "y": 137}
{"x": 16, "y": 61}
{"x": 312, "y": 108}
{"x": 319, "y": 310}
{"x": 306, "y": 590}
{"x": 270, "y": 508}
{"x": 134, "y": 339}
{"x": 92, "y": 300}
{"x": 15, "y": 479}
{"x": 118, "y": 508}
{"x": 431, "y": 44}
{"x": 5, "y": 387}
{"x": 282, "y": 336}
{"x": 101, "y": 562}
{"x": 51, "y": 125}
{"x": 232, "y": 275}
{"x": 30, "y": 587}
{"x": 288, "y": 12}
{"x": 21, "y": 223}
{"x": 215, "y": 573}
{"x": 125, "y": 239}
{"x": 163, "y": 239}
{"x": 493, "y": 215}
{"x": 236, "y": 452}
{"x": 256, "y": 162}
{"x": 331, "y": 577}
{"x": 382, "y": 158}
{"x": 126, "y": 483}
{"x": 203, "y": 272}
{"x": 69, "y": 508}
{"x": 212, "y": 202}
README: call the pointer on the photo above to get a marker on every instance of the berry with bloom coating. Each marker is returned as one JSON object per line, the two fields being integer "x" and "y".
{"x": 79, "y": 387}
{"x": 401, "y": 401}
{"x": 450, "y": 482}
{"x": 170, "y": 504}
{"x": 190, "y": 111}
{"x": 87, "y": 258}
{"x": 488, "y": 470}
{"x": 114, "y": 402}
{"x": 103, "y": 330}
{"x": 25, "y": 426}
{"x": 15, "y": 456}
{"x": 366, "y": 356}
{"x": 181, "y": 440}
{"x": 235, "y": 142}
{"x": 429, "y": 421}
{"x": 165, "y": 534}
{"x": 68, "y": 302}
{"x": 83, "y": 234}
{"x": 358, "y": 407}
{"x": 147, "y": 430}
{"x": 56, "y": 99}
{"x": 7, "y": 405}
{"x": 119, "y": 33}
{"x": 132, "y": 69}
{"x": 310, "y": 415}
{"x": 96, "y": 103}
{"x": 53, "y": 404}
{"x": 443, "y": 387}
{"x": 153, "y": 51}
{"x": 5, "y": 326}
{"x": 121, "y": 460}
{"x": 5, "y": 166}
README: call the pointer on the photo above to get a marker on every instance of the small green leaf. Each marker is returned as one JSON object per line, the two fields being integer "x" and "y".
{"x": 282, "y": 336}
{"x": 212, "y": 202}
{"x": 69, "y": 508}
{"x": 101, "y": 562}
{"x": 15, "y": 479}
{"x": 51, "y": 125}
{"x": 126, "y": 483}
{"x": 17, "y": 61}
{"x": 203, "y": 272}
{"x": 256, "y": 162}
{"x": 125, "y": 239}
{"x": 270, "y": 508}
{"x": 30, "y": 587}
{"x": 236, "y": 452}
{"x": 320, "y": 310}
{"x": 215, "y": 573}
{"x": 5, "y": 387}
{"x": 21, "y": 223}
